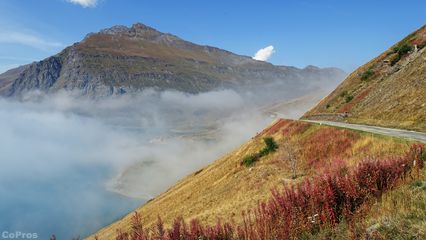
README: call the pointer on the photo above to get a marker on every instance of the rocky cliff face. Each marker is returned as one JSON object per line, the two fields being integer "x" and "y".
{"x": 123, "y": 59}
{"x": 40, "y": 75}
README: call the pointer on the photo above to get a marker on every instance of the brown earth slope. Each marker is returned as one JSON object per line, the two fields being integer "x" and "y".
{"x": 388, "y": 91}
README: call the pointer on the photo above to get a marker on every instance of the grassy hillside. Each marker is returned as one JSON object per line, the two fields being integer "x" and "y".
{"x": 297, "y": 180}
{"x": 227, "y": 187}
{"x": 387, "y": 91}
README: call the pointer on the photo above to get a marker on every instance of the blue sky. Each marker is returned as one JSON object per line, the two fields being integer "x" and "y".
{"x": 337, "y": 33}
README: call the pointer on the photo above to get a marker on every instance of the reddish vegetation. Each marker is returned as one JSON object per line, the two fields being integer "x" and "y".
{"x": 295, "y": 127}
{"x": 275, "y": 127}
{"x": 327, "y": 144}
{"x": 348, "y": 106}
{"x": 318, "y": 203}
{"x": 364, "y": 94}
{"x": 420, "y": 40}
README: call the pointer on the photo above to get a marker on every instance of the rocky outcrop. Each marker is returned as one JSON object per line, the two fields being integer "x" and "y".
{"x": 40, "y": 75}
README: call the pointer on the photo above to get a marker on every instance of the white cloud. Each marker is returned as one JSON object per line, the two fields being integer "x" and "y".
{"x": 28, "y": 40}
{"x": 84, "y": 3}
{"x": 264, "y": 53}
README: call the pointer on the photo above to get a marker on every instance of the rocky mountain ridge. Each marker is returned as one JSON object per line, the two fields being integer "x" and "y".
{"x": 124, "y": 59}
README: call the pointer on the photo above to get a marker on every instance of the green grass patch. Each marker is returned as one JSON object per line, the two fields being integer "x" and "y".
{"x": 349, "y": 98}
{"x": 401, "y": 51}
{"x": 249, "y": 160}
{"x": 417, "y": 183}
{"x": 367, "y": 74}
{"x": 270, "y": 147}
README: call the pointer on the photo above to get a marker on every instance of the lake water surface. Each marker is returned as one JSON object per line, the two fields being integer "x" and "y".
{"x": 67, "y": 205}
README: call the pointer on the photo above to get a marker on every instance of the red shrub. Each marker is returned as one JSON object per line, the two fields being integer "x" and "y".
{"x": 325, "y": 144}
{"x": 275, "y": 127}
{"x": 314, "y": 204}
{"x": 348, "y": 106}
{"x": 295, "y": 127}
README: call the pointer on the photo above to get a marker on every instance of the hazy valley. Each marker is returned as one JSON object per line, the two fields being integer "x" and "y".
{"x": 135, "y": 142}
{"x": 112, "y": 129}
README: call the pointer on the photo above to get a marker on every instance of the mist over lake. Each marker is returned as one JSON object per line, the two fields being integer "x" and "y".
{"x": 65, "y": 160}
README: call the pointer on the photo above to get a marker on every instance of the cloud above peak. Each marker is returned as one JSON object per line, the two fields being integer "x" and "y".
{"x": 84, "y": 3}
{"x": 264, "y": 54}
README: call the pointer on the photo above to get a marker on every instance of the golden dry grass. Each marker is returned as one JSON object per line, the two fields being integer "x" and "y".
{"x": 225, "y": 188}
{"x": 401, "y": 213}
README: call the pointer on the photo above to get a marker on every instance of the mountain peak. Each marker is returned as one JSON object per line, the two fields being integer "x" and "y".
{"x": 138, "y": 31}
{"x": 118, "y": 29}
{"x": 142, "y": 27}
{"x": 132, "y": 58}
{"x": 135, "y": 30}
{"x": 311, "y": 67}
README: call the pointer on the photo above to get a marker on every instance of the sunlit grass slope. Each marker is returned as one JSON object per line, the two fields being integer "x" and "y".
{"x": 225, "y": 188}
{"x": 388, "y": 91}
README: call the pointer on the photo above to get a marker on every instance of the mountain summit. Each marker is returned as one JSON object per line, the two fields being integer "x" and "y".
{"x": 124, "y": 59}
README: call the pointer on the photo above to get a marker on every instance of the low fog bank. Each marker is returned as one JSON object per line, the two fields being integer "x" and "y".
{"x": 61, "y": 151}
{"x": 147, "y": 141}
{"x": 166, "y": 160}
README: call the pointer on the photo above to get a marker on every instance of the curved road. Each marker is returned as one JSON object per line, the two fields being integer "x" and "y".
{"x": 407, "y": 134}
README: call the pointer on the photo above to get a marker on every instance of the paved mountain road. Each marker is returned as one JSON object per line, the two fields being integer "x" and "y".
{"x": 400, "y": 133}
